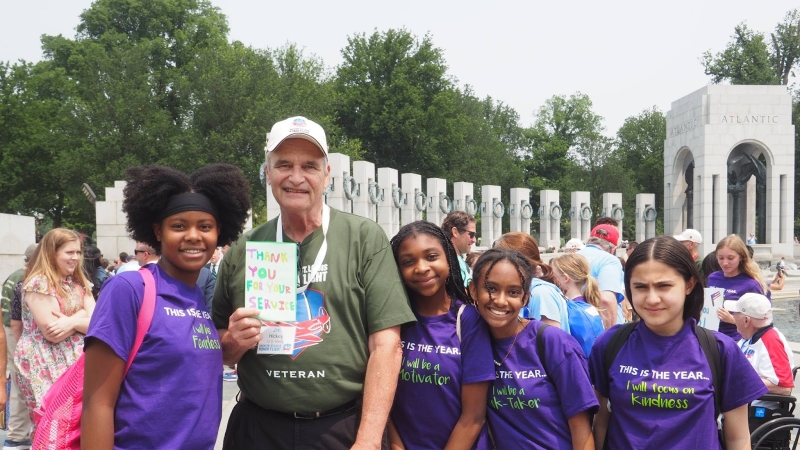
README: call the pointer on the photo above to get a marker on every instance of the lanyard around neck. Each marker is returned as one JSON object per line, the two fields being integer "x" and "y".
{"x": 326, "y": 220}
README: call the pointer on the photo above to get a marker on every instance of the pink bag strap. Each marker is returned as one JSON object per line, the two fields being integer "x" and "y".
{"x": 145, "y": 314}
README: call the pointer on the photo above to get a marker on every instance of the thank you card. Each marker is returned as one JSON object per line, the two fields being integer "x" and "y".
{"x": 271, "y": 280}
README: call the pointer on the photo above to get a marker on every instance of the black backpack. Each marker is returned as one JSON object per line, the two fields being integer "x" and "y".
{"x": 708, "y": 342}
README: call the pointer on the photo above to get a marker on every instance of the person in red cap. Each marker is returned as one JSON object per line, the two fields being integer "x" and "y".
{"x": 607, "y": 270}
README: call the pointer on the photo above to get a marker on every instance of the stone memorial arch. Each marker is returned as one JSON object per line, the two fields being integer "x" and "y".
{"x": 729, "y": 166}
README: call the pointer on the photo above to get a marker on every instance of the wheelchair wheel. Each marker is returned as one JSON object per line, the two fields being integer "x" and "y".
{"x": 778, "y": 434}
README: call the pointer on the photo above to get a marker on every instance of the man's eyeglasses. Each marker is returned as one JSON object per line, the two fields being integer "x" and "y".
{"x": 471, "y": 234}
{"x": 136, "y": 252}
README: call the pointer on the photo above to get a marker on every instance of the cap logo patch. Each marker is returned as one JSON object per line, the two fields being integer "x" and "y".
{"x": 298, "y": 122}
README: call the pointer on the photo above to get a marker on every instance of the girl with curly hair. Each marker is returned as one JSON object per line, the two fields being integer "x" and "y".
{"x": 176, "y": 370}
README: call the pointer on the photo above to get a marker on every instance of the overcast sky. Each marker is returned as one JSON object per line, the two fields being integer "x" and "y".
{"x": 626, "y": 55}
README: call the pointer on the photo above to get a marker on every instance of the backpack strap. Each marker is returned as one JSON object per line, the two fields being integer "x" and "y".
{"x": 615, "y": 344}
{"x": 708, "y": 342}
{"x": 145, "y": 315}
{"x": 540, "y": 345}
{"x": 458, "y": 320}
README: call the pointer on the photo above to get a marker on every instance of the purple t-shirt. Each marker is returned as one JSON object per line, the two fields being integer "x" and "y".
{"x": 734, "y": 287}
{"x": 435, "y": 366}
{"x": 528, "y": 407}
{"x": 172, "y": 395}
{"x": 661, "y": 391}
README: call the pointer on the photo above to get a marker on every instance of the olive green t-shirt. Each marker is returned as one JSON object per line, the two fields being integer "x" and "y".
{"x": 699, "y": 264}
{"x": 356, "y": 292}
{"x": 8, "y": 295}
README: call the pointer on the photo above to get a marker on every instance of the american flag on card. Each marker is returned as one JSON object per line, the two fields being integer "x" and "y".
{"x": 714, "y": 296}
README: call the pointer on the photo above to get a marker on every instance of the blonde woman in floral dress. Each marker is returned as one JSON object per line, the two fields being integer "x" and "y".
{"x": 57, "y": 303}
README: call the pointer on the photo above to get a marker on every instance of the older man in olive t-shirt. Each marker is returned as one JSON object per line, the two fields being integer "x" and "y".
{"x": 334, "y": 388}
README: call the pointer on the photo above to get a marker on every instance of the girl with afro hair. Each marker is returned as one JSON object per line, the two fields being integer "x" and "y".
{"x": 176, "y": 371}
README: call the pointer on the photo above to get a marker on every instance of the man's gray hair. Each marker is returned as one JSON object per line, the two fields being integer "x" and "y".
{"x": 761, "y": 323}
{"x": 600, "y": 242}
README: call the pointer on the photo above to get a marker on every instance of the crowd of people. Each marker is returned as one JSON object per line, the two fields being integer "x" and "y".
{"x": 408, "y": 343}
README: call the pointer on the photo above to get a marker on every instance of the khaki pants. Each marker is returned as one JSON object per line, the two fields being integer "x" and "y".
{"x": 19, "y": 421}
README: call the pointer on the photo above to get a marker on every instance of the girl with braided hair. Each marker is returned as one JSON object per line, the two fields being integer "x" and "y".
{"x": 440, "y": 401}
{"x": 542, "y": 397}
{"x": 175, "y": 372}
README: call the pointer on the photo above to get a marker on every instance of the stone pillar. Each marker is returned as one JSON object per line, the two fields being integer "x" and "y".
{"x": 550, "y": 228}
{"x": 520, "y": 210}
{"x": 581, "y": 215}
{"x": 112, "y": 238}
{"x": 785, "y": 226}
{"x": 18, "y": 232}
{"x": 340, "y": 170}
{"x": 750, "y": 216}
{"x": 612, "y": 207}
{"x": 411, "y": 184}
{"x": 491, "y": 204}
{"x": 463, "y": 199}
{"x": 646, "y": 216}
{"x": 437, "y": 197}
{"x": 390, "y": 201}
{"x": 367, "y": 192}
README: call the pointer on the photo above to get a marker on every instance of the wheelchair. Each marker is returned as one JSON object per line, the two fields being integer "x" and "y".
{"x": 775, "y": 427}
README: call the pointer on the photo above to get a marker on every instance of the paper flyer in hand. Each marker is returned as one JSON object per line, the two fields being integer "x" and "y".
{"x": 270, "y": 282}
{"x": 713, "y": 298}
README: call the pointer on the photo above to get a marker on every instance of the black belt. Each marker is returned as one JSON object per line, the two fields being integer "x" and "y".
{"x": 310, "y": 415}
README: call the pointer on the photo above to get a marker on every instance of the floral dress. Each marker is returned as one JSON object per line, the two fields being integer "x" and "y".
{"x": 40, "y": 362}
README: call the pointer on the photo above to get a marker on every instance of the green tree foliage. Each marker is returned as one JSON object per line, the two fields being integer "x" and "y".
{"x": 751, "y": 58}
{"x": 786, "y": 46}
{"x": 124, "y": 93}
{"x": 388, "y": 85}
{"x": 394, "y": 95}
{"x": 149, "y": 82}
{"x": 157, "y": 82}
{"x": 471, "y": 136}
{"x": 746, "y": 60}
{"x": 549, "y": 150}
{"x": 640, "y": 145}
{"x": 41, "y": 133}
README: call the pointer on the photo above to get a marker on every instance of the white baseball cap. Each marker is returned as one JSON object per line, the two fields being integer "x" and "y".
{"x": 574, "y": 243}
{"x": 690, "y": 235}
{"x": 751, "y": 304}
{"x": 297, "y": 127}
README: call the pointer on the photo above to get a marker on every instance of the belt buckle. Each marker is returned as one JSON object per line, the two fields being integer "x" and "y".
{"x": 307, "y": 416}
